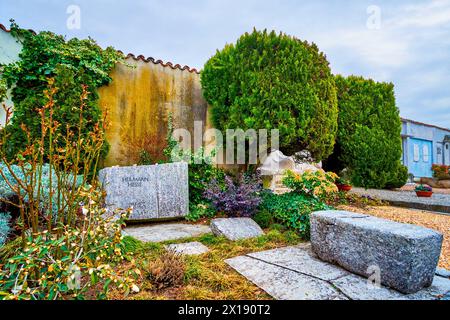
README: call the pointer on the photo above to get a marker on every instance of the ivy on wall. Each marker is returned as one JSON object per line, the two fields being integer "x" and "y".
{"x": 72, "y": 64}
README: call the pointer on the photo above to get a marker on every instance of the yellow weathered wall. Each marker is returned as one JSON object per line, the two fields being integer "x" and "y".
{"x": 139, "y": 100}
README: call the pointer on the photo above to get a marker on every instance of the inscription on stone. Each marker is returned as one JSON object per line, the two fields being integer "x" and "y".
{"x": 159, "y": 191}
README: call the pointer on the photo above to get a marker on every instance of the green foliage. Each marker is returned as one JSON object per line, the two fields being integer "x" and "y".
{"x": 201, "y": 173}
{"x": 200, "y": 211}
{"x": 5, "y": 227}
{"x": 132, "y": 245}
{"x": 292, "y": 209}
{"x": 369, "y": 141}
{"x": 274, "y": 81}
{"x": 51, "y": 267}
{"x": 14, "y": 175}
{"x": 263, "y": 218}
{"x": 201, "y": 169}
{"x": 72, "y": 64}
{"x": 398, "y": 178}
{"x": 318, "y": 184}
{"x": 145, "y": 158}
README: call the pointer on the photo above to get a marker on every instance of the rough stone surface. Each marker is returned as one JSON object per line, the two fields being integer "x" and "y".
{"x": 236, "y": 228}
{"x": 283, "y": 284}
{"x": 166, "y": 232}
{"x": 189, "y": 248}
{"x": 407, "y": 255}
{"x": 281, "y": 275}
{"x": 301, "y": 260}
{"x": 159, "y": 191}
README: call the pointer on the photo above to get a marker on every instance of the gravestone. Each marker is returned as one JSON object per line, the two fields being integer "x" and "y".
{"x": 154, "y": 192}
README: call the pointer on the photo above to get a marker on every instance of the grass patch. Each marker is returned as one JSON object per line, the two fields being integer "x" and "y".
{"x": 207, "y": 276}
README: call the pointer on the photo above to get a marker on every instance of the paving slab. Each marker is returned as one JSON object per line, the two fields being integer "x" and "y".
{"x": 295, "y": 273}
{"x": 284, "y": 284}
{"x": 408, "y": 199}
{"x": 189, "y": 248}
{"x": 166, "y": 232}
{"x": 443, "y": 272}
{"x": 300, "y": 259}
{"x": 236, "y": 228}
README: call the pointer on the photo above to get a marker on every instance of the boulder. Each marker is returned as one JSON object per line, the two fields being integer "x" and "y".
{"x": 406, "y": 255}
{"x": 236, "y": 228}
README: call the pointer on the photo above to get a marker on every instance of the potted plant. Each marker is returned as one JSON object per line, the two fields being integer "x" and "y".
{"x": 343, "y": 184}
{"x": 424, "y": 191}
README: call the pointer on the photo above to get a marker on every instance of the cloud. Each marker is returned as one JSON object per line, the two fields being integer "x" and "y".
{"x": 411, "y": 49}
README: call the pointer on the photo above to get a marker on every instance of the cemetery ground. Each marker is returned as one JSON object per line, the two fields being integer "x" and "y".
{"x": 207, "y": 276}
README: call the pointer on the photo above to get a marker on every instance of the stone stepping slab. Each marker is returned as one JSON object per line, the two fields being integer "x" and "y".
{"x": 236, "y": 228}
{"x": 295, "y": 273}
{"x": 188, "y": 248}
{"x": 166, "y": 232}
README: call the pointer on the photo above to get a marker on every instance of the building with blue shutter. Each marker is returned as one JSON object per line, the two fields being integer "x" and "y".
{"x": 423, "y": 146}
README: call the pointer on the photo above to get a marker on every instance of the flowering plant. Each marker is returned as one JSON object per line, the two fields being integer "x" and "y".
{"x": 70, "y": 261}
{"x": 342, "y": 181}
{"x": 318, "y": 184}
{"x": 240, "y": 199}
{"x": 441, "y": 171}
{"x": 423, "y": 187}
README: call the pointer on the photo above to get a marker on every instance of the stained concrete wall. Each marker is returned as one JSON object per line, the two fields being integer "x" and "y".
{"x": 139, "y": 100}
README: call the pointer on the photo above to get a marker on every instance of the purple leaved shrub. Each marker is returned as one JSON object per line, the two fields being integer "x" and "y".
{"x": 235, "y": 199}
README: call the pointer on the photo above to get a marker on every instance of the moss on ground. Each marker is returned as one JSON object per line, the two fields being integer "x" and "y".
{"x": 207, "y": 276}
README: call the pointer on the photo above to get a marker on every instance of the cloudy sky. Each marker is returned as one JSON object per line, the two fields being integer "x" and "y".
{"x": 406, "y": 42}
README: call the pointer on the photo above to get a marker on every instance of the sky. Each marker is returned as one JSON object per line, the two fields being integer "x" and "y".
{"x": 404, "y": 41}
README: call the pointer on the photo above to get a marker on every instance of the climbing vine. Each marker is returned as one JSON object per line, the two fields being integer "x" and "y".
{"x": 73, "y": 64}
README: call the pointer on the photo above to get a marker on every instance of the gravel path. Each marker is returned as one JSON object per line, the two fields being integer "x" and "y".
{"x": 438, "y": 222}
{"x": 438, "y": 202}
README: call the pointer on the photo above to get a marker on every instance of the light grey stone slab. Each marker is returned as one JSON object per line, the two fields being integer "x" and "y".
{"x": 439, "y": 288}
{"x": 189, "y": 248}
{"x": 443, "y": 272}
{"x": 407, "y": 255}
{"x": 283, "y": 284}
{"x": 236, "y": 228}
{"x": 159, "y": 191}
{"x": 358, "y": 288}
{"x": 302, "y": 260}
{"x": 173, "y": 190}
{"x": 166, "y": 232}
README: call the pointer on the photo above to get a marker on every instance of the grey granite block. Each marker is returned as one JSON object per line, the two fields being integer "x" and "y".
{"x": 406, "y": 255}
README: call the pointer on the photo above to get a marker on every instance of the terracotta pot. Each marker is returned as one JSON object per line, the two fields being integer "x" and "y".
{"x": 344, "y": 187}
{"x": 424, "y": 194}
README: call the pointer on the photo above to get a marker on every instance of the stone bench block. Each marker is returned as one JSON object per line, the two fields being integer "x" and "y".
{"x": 406, "y": 255}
